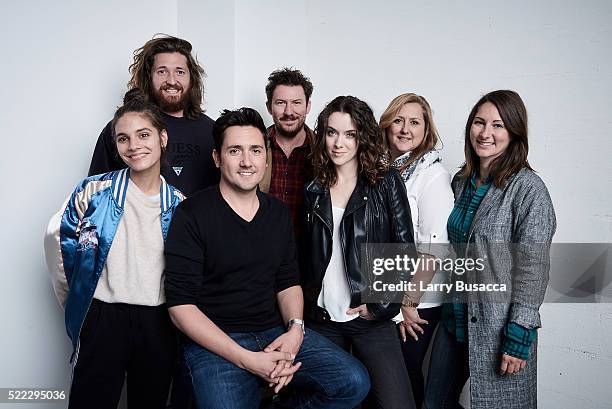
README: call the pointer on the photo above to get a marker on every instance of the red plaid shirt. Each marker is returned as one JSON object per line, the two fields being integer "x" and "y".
{"x": 289, "y": 175}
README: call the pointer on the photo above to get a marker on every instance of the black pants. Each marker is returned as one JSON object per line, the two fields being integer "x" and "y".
{"x": 414, "y": 351}
{"x": 448, "y": 371}
{"x": 377, "y": 346}
{"x": 120, "y": 338}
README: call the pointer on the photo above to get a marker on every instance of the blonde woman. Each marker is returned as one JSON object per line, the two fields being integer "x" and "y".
{"x": 412, "y": 138}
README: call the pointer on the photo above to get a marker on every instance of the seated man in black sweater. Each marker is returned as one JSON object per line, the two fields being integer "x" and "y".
{"x": 232, "y": 287}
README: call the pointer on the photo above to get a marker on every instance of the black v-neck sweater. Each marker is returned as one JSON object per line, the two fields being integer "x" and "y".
{"x": 231, "y": 269}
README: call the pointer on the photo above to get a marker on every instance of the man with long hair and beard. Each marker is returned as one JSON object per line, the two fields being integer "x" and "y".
{"x": 171, "y": 77}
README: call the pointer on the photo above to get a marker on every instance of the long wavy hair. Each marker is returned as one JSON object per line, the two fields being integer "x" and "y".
{"x": 143, "y": 63}
{"x": 431, "y": 137}
{"x": 371, "y": 151}
{"x": 514, "y": 116}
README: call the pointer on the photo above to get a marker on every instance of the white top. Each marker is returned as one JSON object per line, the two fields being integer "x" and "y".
{"x": 135, "y": 262}
{"x": 431, "y": 202}
{"x": 335, "y": 295}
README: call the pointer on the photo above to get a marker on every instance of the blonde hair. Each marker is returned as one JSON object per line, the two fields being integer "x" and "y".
{"x": 431, "y": 136}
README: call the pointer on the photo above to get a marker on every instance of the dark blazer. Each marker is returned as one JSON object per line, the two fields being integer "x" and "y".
{"x": 374, "y": 214}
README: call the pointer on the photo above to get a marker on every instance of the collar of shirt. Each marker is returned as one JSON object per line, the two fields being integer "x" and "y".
{"x": 274, "y": 144}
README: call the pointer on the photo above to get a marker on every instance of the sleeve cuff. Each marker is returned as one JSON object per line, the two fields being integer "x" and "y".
{"x": 525, "y": 315}
{"x": 518, "y": 340}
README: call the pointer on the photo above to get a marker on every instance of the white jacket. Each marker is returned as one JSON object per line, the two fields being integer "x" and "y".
{"x": 431, "y": 202}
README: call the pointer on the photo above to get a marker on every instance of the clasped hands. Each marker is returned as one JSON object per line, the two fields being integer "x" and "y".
{"x": 275, "y": 363}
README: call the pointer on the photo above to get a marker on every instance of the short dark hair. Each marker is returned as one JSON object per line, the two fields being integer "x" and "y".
{"x": 240, "y": 117}
{"x": 143, "y": 63}
{"x": 514, "y": 115}
{"x": 287, "y": 76}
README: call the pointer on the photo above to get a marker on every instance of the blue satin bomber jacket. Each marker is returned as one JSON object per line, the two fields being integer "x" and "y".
{"x": 79, "y": 238}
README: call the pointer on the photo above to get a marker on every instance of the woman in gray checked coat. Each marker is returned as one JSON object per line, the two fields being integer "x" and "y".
{"x": 504, "y": 216}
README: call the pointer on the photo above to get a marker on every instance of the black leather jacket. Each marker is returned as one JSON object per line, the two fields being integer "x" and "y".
{"x": 374, "y": 214}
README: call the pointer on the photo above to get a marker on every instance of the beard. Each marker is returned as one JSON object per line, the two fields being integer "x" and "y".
{"x": 289, "y": 132}
{"x": 170, "y": 104}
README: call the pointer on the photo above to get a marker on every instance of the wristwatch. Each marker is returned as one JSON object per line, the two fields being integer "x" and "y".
{"x": 297, "y": 321}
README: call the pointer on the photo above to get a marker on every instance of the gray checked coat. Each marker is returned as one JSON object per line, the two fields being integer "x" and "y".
{"x": 512, "y": 230}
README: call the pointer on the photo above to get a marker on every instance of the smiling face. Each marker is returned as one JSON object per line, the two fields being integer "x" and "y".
{"x": 241, "y": 159}
{"x": 171, "y": 81}
{"x": 488, "y": 134}
{"x": 341, "y": 140}
{"x": 289, "y": 108}
{"x": 139, "y": 143}
{"x": 407, "y": 130}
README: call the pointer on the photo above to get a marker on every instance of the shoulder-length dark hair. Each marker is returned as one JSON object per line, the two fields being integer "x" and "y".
{"x": 514, "y": 116}
{"x": 143, "y": 63}
{"x": 371, "y": 152}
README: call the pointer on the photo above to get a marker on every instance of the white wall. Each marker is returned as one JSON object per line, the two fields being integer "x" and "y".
{"x": 65, "y": 69}
{"x": 557, "y": 55}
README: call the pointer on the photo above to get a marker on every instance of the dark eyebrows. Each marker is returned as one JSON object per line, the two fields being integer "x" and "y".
{"x": 346, "y": 132}
{"x": 242, "y": 147}
{"x": 143, "y": 129}
{"x": 482, "y": 119}
{"x": 178, "y": 67}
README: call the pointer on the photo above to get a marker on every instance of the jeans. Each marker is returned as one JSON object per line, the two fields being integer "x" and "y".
{"x": 328, "y": 378}
{"x": 377, "y": 345}
{"x": 448, "y": 371}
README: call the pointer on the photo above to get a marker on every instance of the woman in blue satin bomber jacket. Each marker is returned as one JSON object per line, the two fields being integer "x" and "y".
{"x": 104, "y": 250}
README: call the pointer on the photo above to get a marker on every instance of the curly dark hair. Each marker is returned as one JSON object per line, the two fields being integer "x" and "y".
{"x": 514, "y": 115}
{"x": 287, "y": 76}
{"x": 371, "y": 152}
{"x": 143, "y": 63}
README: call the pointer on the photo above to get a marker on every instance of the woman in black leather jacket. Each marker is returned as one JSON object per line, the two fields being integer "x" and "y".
{"x": 355, "y": 199}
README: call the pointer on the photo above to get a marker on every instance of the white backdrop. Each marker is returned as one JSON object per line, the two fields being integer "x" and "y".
{"x": 65, "y": 68}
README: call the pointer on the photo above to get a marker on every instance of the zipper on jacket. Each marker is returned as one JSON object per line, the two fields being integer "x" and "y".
{"x": 322, "y": 273}
{"x": 346, "y": 273}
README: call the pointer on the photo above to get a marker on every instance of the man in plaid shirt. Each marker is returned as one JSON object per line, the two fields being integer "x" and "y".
{"x": 288, "y": 101}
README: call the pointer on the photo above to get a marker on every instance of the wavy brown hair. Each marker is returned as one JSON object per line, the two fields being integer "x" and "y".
{"x": 514, "y": 116}
{"x": 143, "y": 63}
{"x": 371, "y": 151}
{"x": 431, "y": 136}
